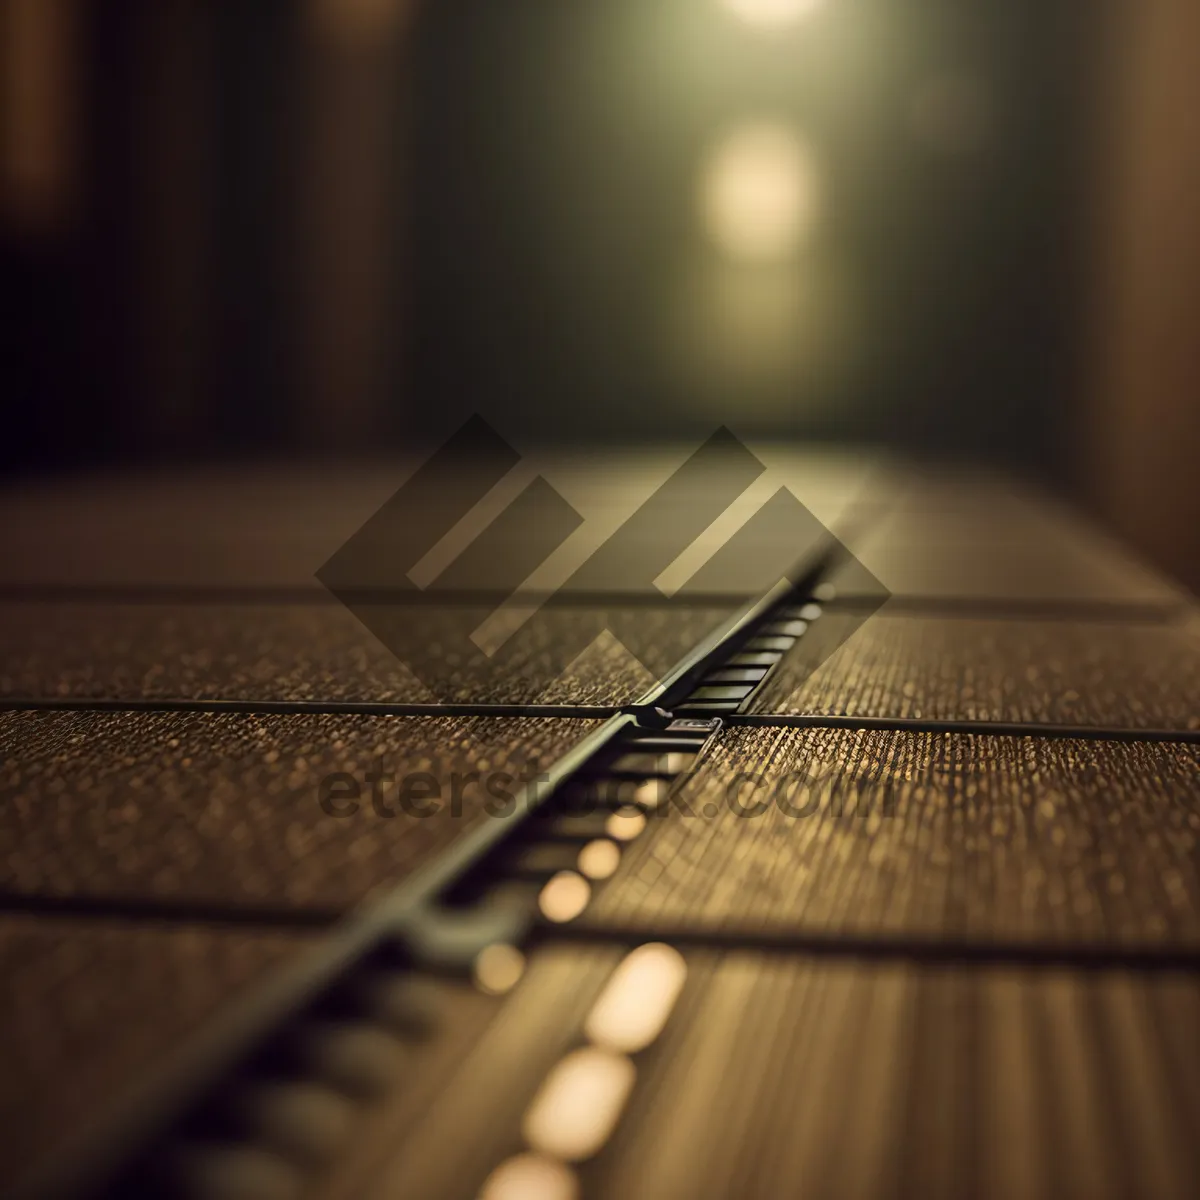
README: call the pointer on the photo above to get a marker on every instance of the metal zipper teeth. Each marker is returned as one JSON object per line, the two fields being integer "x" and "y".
{"x": 728, "y": 688}
{"x": 283, "y": 1112}
{"x": 304, "y": 1081}
{"x": 118, "y": 1154}
{"x": 611, "y": 798}
{"x": 435, "y": 925}
{"x": 332, "y": 1054}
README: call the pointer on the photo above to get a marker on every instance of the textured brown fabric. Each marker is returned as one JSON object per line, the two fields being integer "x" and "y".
{"x": 322, "y": 652}
{"x": 1138, "y": 676}
{"x": 226, "y": 809}
{"x": 871, "y": 1073}
{"x": 929, "y": 835}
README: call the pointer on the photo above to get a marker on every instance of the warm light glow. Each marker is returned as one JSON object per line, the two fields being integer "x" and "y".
{"x": 530, "y": 1177}
{"x": 564, "y": 897}
{"x": 625, "y": 824}
{"x": 498, "y": 969}
{"x": 652, "y": 792}
{"x": 599, "y": 859}
{"x": 579, "y": 1104}
{"x": 635, "y": 1004}
{"x": 771, "y": 13}
{"x": 759, "y": 193}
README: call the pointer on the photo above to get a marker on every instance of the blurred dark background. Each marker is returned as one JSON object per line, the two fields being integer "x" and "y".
{"x": 334, "y": 227}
